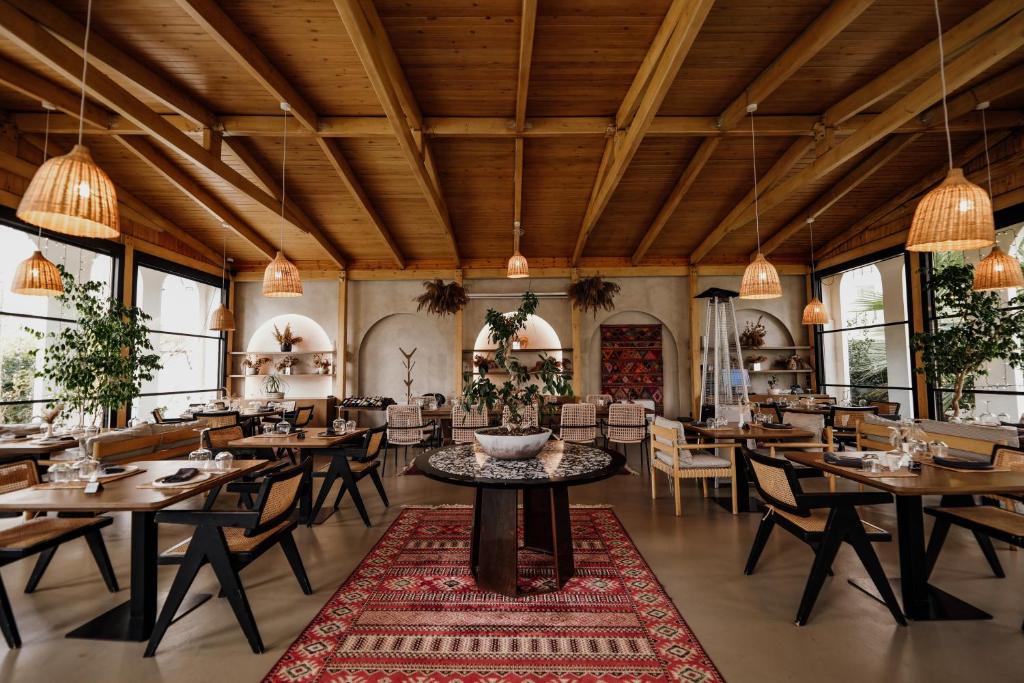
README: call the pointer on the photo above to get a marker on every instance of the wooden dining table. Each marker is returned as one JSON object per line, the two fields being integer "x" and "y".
{"x": 921, "y": 600}
{"x": 35, "y": 446}
{"x": 314, "y": 442}
{"x": 734, "y": 433}
{"x": 132, "y": 620}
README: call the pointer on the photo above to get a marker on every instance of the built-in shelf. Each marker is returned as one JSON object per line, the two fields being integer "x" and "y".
{"x": 775, "y": 348}
{"x": 780, "y": 372}
{"x": 280, "y": 353}
{"x": 528, "y": 349}
{"x": 294, "y": 374}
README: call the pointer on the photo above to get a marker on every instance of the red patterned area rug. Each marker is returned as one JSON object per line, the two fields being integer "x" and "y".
{"x": 411, "y": 611}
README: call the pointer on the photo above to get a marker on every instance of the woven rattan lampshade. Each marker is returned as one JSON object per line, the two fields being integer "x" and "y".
{"x": 517, "y": 266}
{"x": 760, "y": 280}
{"x": 815, "y": 313}
{"x": 998, "y": 270}
{"x": 37, "y": 276}
{"x": 222, "y": 319}
{"x": 72, "y": 195}
{"x": 281, "y": 278}
{"x": 955, "y": 216}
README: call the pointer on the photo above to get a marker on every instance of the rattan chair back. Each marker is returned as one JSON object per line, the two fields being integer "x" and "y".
{"x": 279, "y": 493}
{"x": 776, "y": 481}
{"x": 605, "y": 399}
{"x": 886, "y": 407}
{"x": 627, "y": 423}
{"x": 466, "y": 422}
{"x": 405, "y": 425}
{"x": 218, "y": 438}
{"x": 18, "y": 475}
{"x": 579, "y": 422}
{"x": 527, "y": 413}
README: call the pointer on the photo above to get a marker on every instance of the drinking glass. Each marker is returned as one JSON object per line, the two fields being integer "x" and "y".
{"x": 350, "y": 426}
{"x": 339, "y": 425}
{"x": 938, "y": 448}
{"x": 283, "y": 427}
{"x": 200, "y": 458}
{"x": 59, "y": 473}
{"x": 224, "y": 461}
{"x": 869, "y": 463}
{"x": 87, "y": 468}
{"x": 268, "y": 427}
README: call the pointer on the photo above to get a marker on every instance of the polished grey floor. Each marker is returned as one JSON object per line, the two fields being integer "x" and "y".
{"x": 745, "y": 623}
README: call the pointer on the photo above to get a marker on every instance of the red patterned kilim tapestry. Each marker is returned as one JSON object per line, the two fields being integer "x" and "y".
{"x": 411, "y": 611}
{"x": 632, "y": 362}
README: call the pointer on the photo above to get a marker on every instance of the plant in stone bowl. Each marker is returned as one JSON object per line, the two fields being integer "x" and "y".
{"x": 522, "y": 389}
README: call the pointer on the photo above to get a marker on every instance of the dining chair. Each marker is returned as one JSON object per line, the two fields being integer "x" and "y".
{"x": 406, "y": 428}
{"x": 844, "y": 420}
{"x": 42, "y": 536}
{"x": 466, "y": 422}
{"x": 626, "y": 425}
{"x": 158, "y": 417}
{"x": 603, "y": 399}
{"x": 230, "y": 541}
{"x": 527, "y": 413}
{"x": 674, "y": 456}
{"x": 218, "y": 419}
{"x": 300, "y": 417}
{"x": 821, "y": 441}
{"x": 886, "y": 407}
{"x": 363, "y": 461}
{"x": 217, "y": 440}
{"x": 578, "y": 423}
{"x": 824, "y": 521}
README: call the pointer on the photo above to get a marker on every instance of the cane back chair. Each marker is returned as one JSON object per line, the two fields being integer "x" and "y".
{"x": 578, "y": 423}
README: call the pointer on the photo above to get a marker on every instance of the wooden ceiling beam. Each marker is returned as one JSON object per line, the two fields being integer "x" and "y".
{"x": 105, "y": 55}
{"x": 819, "y": 33}
{"x": 826, "y": 200}
{"x": 370, "y": 46}
{"x": 998, "y": 44}
{"x": 527, "y": 26}
{"x": 32, "y": 85}
{"x": 36, "y": 40}
{"x": 644, "y": 101}
{"x": 1006, "y": 83}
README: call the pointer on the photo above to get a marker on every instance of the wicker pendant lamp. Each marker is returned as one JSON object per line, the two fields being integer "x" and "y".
{"x": 281, "y": 278}
{"x": 222, "y": 319}
{"x": 517, "y": 265}
{"x": 998, "y": 270}
{"x": 814, "y": 311}
{"x": 70, "y": 194}
{"x": 956, "y": 215}
{"x": 37, "y": 275}
{"x": 760, "y": 279}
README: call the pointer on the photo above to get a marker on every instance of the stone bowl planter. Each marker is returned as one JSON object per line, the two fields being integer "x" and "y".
{"x": 511, "y": 446}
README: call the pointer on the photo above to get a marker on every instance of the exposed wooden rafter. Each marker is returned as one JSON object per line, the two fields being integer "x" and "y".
{"x": 381, "y": 65}
{"x": 37, "y": 87}
{"x": 527, "y": 24}
{"x": 650, "y": 86}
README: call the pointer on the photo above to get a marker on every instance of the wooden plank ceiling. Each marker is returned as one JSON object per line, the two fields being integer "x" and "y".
{"x": 616, "y": 130}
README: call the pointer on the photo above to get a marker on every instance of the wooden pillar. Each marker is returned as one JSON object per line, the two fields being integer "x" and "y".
{"x": 457, "y": 345}
{"x": 127, "y": 293}
{"x": 341, "y": 360}
{"x": 577, "y": 344}
{"x": 921, "y": 402}
{"x": 810, "y": 337}
{"x": 695, "y": 355}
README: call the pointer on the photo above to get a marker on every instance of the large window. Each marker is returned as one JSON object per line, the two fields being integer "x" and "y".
{"x": 1000, "y": 393}
{"x": 180, "y": 302}
{"x": 864, "y": 353}
{"x": 22, "y": 395}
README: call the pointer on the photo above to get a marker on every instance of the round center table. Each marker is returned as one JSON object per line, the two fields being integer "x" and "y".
{"x": 544, "y": 481}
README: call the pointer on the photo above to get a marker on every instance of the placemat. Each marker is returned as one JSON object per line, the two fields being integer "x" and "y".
{"x": 183, "y": 485}
{"x": 964, "y": 470}
{"x": 83, "y": 484}
{"x": 884, "y": 474}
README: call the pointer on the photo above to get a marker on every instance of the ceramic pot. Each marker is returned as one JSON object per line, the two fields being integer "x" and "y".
{"x": 510, "y": 446}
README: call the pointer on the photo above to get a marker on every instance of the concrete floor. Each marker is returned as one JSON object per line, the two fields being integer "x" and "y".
{"x": 744, "y": 623}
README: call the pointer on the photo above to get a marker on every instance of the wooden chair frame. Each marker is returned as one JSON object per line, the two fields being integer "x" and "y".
{"x": 375, "y": 442}
{"x": 678, "y": 473}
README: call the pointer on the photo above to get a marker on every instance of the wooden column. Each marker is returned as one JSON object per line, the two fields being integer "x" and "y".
{"x": 577, "y": 344}
{"x": 457, "y": 345}
{"x": 694, "y": 346}
{"x": 810, "y": 337}
{"x": 921, "y": 403}
{"x": 127, "y": 292}
{"x": 341, "y": 361}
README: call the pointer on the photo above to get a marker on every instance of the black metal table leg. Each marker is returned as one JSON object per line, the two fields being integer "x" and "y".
{"x": 742, "y": 485}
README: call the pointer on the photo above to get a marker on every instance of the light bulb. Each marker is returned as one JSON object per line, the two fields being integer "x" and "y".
{"x": 84, "y": 190}
{"x": 35, "y": 272}
{"x": 999, "y": 267}
{"x": 277, "y": 274}
{"x": 965, "y": 205}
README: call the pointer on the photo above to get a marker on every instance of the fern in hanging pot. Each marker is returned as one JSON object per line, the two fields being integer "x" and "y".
{"x": 442, "y": 299}
{"x": 593, "y": 294}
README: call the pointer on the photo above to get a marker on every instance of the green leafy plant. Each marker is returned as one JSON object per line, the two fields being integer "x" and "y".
{"x": 524, "y": 385}
{"x": 442, "y": 299}
{"x": 979, "y": 331}
{"x": 102, "y": 360}
{"x": 273, "y": 384}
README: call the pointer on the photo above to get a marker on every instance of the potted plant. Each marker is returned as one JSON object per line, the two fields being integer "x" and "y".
{"x": 753, "y": 334}
{"x": 252, "y": 363}
{"x": 442, "y": 299}
{"x": 593, "y": 294}
{"x": 286, "y": 366}
{"x": 273, "y": 386}
{"x": 101, "y": 361}
{"x": 520, "y": 390}
{"x": 756, "y": 362}
{"x": 773, "y": 386}
{"x": 321, "y": 364}
{"x": 286, "y": 339}
{"x": 978, "y": 328}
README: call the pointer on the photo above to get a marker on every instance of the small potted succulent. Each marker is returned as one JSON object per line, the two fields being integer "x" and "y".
{"x": 321, "y": 364}
{"x": 286, "y": 366}
{"x": 274, "y": 387}
{"x": 773, "y": 386}
{"x": 286, "y": 339}
{"x": 252, "y": 363}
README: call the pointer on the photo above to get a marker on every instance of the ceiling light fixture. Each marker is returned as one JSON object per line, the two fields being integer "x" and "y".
{"x": 517, "y": 265}
{"x": 281, "y": 278}
{"x": 814, "y": 311}
{"x": 760, "y": 279}
{"x": 70, "y": 194}
{"x": 956, "y": 215}
{"x": 222, "y": 319}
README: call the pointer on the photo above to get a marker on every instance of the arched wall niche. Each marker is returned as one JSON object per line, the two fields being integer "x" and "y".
{"x": 314, "y": 338}
{"x": 380, "y": 367}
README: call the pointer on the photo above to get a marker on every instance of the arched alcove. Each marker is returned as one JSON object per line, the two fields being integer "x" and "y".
{"x": 314, "y": 338}
{"x": 540, "y": 338}
{"x": 777, "y": 333}
{"x": 381, "y": 371}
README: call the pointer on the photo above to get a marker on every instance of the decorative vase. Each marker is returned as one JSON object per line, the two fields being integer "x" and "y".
{"x": 286, "y": 348}
{"x": 249, "y": 371}
{"x": 276, "y": 395}
{"x": 288, "y": 370}
{"x": 49, "y": 430}
{"x": 511, "y": 446}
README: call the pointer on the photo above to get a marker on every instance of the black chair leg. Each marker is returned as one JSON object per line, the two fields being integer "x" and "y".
{"x": 987, "y": 549}
{"x": 37, "y": 572}
{"x": 295, "y": 560}
{"x": 99, "y": 553}
{"x": 211, "y": 498}
{"x": 232, "y": 585}
{"x": 321, "y": 496}
{"x": 935, "y": 542}
{"x": 7, "y": 624}
{"x": 819, "y": 570}
{"x": 380, "y": 487}
{"x": 862, "y": 545}
{"x": 193, "y": 560}
{"x": 763, "y": 532}
{"x": 341, "y": 494}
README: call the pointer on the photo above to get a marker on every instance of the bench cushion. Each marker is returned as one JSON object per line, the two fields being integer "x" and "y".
{"x": 699, "y": 460}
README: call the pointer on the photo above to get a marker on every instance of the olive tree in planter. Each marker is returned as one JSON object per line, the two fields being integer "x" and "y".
{"x": 101, "y": 361}
{"x": 520, "y": 390}
{"x": 978, "y": 331}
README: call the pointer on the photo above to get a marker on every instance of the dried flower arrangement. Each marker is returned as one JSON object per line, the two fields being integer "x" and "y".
{"x": 442, "y": 299}
{"x": 756, "y": 359}
{"x": 286, "y": 339}
{"x": 753, "y": 334}
{"x": 483, "y": 364}
{"x": 286, "y": 364}
{"x": 592, "y": 294}
{"x": 322, "y": 364}
{"x": 252, "y": 363}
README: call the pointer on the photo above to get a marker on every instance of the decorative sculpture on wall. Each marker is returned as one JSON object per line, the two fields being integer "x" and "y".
{"x": 409, "y": 365}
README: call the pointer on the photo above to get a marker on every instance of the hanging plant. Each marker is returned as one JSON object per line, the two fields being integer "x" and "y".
{"x": 442, "y": 299}
{"x": 592, "y": 294}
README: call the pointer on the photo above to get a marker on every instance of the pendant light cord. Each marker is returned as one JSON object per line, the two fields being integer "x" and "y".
{"x": 85, "y": 67}
{"x": 753, "y": 156}
{"x": 284, "y": 164}
{"x": 942, "y": 78}
{"x": 223, "y": 256}
{"x": 46, "y": 145}
{"x": 988, "y": 162}
{"x": 810, "y": 224}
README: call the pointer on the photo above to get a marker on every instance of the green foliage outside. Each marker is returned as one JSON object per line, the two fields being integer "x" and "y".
{"x": 17, "y": 373}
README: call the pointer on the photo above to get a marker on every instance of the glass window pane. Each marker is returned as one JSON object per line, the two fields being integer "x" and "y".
{"x": 189, "y": 364}
{"x": 176, "y": 303}
{"x": 172, "y": 405}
